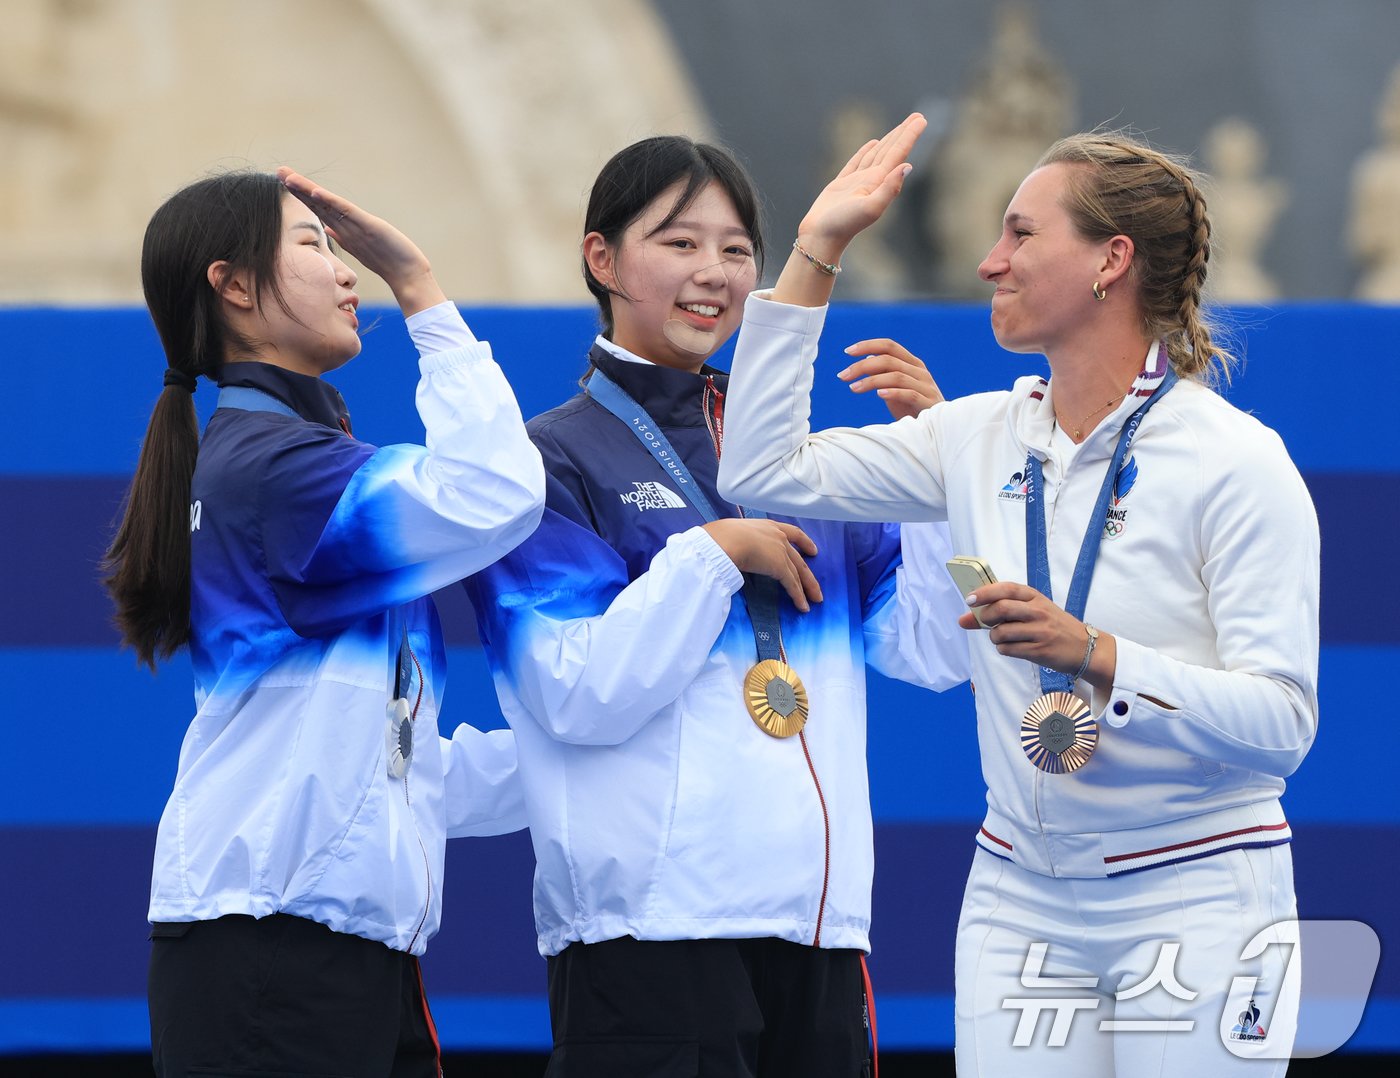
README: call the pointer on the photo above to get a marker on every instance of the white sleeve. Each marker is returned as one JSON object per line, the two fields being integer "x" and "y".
{"x": 592, "y": 664}
{"x": 406, "y": 519}
{"x": 496, "y": 486}
{"x": 915, "y": 637}
{"x": 482, "y": 791}
{"x": 888, "y": 471}
{"x": 439, "y": 328}
{"x": 1260, "y": 538}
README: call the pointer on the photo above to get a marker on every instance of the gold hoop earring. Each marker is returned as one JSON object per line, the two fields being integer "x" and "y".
{"x": 1099, "y": 293}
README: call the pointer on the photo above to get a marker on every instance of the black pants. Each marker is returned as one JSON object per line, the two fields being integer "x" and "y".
{"x": 288, "y": 997}
{"x": 750, "y": 1008}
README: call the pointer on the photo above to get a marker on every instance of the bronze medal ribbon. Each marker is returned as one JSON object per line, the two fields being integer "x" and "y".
{"x": 1058, "y": 733}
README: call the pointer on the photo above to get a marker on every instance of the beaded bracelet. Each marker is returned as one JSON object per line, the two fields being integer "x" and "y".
{"x": 826, "y": 267}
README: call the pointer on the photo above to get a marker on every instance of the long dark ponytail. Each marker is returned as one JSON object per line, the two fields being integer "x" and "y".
{"x": 234, "y": 218}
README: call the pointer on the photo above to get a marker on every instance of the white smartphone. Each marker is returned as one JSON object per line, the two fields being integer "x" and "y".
{"x": 969, "y": 573}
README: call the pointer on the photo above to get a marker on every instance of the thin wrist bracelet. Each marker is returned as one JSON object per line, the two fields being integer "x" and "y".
{"x": 1088, "y": 651}
{"x": 826, "y": 267}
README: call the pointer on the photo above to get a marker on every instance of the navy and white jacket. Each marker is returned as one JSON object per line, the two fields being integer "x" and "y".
{"x": 312, "y": 553}
{"x": 658, "y": 809}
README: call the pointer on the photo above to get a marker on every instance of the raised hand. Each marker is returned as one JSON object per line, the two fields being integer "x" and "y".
{"x": 375, "y": 243}
{"x": 771, "y": 548}
{"x": 900, "y": 378}
{"x": 854, "y": 200}
{"x": 861, "y": 191}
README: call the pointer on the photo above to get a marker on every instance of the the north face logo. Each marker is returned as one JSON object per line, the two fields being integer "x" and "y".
{"x": 652, "y": 496}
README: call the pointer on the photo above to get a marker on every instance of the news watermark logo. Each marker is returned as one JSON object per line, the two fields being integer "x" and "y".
{"x": 1327, "y": 969}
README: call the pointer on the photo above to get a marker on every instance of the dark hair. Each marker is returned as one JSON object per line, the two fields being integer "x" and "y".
{"x": 237, "y": 218}
{"x": 635, "y": 176}
{"x": 1121, "y": 186}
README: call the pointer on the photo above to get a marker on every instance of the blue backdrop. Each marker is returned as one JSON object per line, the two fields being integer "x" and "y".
{"x": 92, "y": 741}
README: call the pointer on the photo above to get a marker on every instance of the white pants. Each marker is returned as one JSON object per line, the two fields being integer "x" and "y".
{"x": 1090, "y": 978}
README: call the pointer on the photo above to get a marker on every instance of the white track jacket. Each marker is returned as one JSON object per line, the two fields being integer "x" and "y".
{"x": 1207, "y": 576}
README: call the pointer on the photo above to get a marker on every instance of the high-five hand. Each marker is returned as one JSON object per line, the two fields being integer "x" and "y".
{"x": 858, "y": 197}
{"x": 862, "y": 191}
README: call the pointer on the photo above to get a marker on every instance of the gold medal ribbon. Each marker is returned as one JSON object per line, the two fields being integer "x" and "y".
{"x": 773, "y": 693}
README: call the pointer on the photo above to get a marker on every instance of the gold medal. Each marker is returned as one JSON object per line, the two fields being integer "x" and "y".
{"x": 1058, "y": 733}
{"x": 776, "y": 698}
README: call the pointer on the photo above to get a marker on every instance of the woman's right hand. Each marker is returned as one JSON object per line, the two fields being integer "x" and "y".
{"x": 376, "y": 244}
{"x": 770, "y": 548}
{"x": 897, "y": 374}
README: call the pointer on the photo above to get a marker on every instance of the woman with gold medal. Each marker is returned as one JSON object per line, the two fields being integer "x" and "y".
{"x": 1141, "y": 692}
{"x": 686, "y": 677}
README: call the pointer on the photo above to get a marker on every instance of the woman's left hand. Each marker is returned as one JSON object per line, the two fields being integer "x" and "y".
{"x": 1024, "y": 624}
{"x": 903, "y": 381}
{"x": 859, "y": 195}
{"x": 376, "y": 244}
{"x": 861, "y": 191}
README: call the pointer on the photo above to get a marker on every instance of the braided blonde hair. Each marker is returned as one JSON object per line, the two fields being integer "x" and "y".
{"x": 1120, "y": 186}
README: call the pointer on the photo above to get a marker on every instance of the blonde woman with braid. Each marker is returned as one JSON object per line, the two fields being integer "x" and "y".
{"x": 1142, "y": 690}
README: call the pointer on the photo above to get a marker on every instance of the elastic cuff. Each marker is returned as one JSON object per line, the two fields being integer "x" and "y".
{"x": 469, "y": 355}
{"x": 761, "y": 310}
{"x": 726, "y": 572}
{"x": 439, "y": 328}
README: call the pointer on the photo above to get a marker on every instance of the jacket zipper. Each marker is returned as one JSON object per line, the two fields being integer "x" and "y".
{"x": 408, "y": 803}
{"x": 713, "y": 407}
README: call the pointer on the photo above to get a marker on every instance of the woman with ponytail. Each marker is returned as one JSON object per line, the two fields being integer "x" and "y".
{"x": 1142, "y": 692}
{"x": 298, "y": 864}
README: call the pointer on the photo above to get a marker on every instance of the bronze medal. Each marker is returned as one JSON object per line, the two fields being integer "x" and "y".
{"x": 1058, "y": 733}
{"x": 776, "y": 698}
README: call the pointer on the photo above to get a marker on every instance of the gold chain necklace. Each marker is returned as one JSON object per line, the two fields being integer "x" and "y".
{"x": 1076, "y": 430}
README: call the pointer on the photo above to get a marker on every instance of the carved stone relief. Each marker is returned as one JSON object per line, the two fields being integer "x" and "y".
{"x": 1019, "y": 102}
{"x": 475, "y": 125}
{"x": 1244, "y": 206}
{"x": 1374, "y": 229}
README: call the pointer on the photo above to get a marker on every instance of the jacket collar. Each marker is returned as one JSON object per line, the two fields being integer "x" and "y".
{"x": 1033, "y": 416}
{"x": 311, "y": 398}
{"x": 672, "y": 398}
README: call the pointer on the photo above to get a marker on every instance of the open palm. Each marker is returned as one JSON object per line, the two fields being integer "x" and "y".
{"x": 864, "y": 188}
